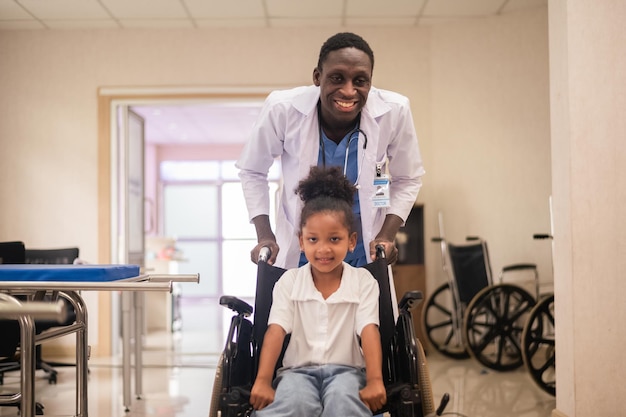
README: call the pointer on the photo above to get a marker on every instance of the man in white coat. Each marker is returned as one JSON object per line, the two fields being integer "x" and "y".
{"x": 340, "y": 120}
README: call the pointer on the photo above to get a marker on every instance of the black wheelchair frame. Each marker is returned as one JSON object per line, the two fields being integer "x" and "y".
{"x": 405, "y": 371}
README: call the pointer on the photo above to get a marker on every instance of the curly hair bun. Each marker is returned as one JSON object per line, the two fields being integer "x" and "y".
{"x": 326, "y": 182}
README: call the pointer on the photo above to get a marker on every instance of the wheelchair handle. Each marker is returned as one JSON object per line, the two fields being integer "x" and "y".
{"x": 264, "y": 254}
{"x": 380, "y": 252}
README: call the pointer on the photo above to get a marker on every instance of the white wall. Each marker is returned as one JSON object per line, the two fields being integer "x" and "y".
{"x": 479, "y": 91}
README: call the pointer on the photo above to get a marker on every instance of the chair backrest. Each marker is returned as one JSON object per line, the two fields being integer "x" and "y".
{"x": 470, "y": 268}
{"x": 379, "y": 270}
{"x": 12, "y": 252}
{"x": 51, "y": 256}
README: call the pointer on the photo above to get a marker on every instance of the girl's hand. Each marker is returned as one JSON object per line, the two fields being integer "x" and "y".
{"x": 262, "y": 395}
{"x": 374, "y": 395}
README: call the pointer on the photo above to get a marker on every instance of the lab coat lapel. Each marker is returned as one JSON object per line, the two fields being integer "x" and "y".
{"x": 373, "y": 108}
{"x": 309, "y": 129}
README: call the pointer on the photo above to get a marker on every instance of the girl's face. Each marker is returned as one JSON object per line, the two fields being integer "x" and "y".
{"x": 326, "y": 240}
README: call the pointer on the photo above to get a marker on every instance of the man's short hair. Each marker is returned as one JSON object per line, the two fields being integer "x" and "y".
{"x": 344, "y": 40}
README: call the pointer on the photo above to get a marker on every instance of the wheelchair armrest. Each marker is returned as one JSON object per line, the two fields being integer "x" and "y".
{"x": 410, "y": 300}
{"x": 237, "y": 305}
{"x": 518, "y": 267}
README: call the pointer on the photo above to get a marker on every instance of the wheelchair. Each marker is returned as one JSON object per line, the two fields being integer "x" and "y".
{"x": 538, "y": 340}
{"x": 470, "y": 316}
{"x": 405, "y": 371}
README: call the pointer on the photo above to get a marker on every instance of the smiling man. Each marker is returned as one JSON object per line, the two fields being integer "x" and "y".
{"x": 340, "y": 120}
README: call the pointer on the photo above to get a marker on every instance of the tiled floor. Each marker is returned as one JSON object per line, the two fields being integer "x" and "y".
{"x": 179, "y": 371}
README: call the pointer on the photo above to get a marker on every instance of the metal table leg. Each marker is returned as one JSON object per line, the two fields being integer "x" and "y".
{"x": 138, "y": 310}
{"x": 126, "y": 321}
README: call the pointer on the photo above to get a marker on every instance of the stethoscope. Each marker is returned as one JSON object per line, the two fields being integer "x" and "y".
{"x": 358, "y": 132}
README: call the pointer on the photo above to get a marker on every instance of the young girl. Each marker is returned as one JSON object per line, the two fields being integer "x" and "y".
{"x": 328, "y": 306}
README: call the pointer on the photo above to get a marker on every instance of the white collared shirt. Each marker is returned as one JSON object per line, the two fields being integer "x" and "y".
{"x": 324, "y": 331}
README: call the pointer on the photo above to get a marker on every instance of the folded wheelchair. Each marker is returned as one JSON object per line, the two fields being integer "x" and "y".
{"x": 405, "y": 371}
{"x": 470, "y": 316}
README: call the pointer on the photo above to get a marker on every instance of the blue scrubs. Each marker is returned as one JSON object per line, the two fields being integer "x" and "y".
{"x": 336, "y": 156}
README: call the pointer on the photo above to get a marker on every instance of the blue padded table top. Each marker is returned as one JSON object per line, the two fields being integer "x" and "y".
{"x": 67, "y": 273}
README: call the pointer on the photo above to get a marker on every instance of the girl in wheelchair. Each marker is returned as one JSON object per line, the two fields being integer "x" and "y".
{"x": 333, "y": 363}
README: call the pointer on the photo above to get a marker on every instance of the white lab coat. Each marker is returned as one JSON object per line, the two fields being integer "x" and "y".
{"x": 288, "y": 128}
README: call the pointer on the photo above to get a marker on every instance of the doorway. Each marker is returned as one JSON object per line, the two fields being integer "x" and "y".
{"x": 166, "y": 194}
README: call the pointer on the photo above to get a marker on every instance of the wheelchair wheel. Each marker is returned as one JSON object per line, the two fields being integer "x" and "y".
{"x": 217, "y": 388}
{"x": 493, "y": 325}
{"x": 443, "y": 330}
{"x": 538, "y": 344}
{"x": 426, "y": 387}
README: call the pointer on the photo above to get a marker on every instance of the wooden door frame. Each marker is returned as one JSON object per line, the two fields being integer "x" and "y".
{"x": 107, "y": 96}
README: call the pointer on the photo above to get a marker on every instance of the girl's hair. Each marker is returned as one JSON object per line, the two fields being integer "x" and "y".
{"x": 326, "y": 189}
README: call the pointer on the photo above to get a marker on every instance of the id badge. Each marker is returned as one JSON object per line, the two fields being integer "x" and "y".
{"x": 381, "y": 194}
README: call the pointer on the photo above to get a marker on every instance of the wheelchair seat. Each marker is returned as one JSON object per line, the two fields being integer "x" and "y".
{"x": 405, "y": 372}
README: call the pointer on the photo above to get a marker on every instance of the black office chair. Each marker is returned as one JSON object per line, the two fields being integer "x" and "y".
{"x": 40, "y": 256}
{"x": 11, "y": 253}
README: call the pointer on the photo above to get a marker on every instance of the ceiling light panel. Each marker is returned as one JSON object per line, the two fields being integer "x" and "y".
{"x": 388, "y": 8}
{"x": 457, "y": 8}
{"x": 304, "y": 9}
{"x": 229, "y": 9}
{"x": 65, "y": 9}
{"x": 9, "y": 9}
{"x": 145, "y": 9}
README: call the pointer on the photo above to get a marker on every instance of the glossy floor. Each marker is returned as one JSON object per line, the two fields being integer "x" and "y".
{"x": 179, "y": 371}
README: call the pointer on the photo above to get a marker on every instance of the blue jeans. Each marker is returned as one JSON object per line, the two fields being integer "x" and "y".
{"x": 317, "y": 391}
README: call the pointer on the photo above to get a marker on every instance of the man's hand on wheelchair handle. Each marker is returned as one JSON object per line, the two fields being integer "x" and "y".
{"x": 374, "y": 394}
{"x": 262, "y": 394}
{"x": 391, "y": 252}
{"x": 271, "y": 245}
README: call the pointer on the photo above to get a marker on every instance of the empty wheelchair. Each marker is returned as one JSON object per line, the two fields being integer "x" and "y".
{"x": 470, "y": 316}
{"x": 405, "y": 371}
{"x": 538, "y": 340}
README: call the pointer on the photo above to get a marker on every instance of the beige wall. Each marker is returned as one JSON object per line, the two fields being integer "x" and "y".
{"x": 488, "y": 161}
{"x": 588, "y": 94}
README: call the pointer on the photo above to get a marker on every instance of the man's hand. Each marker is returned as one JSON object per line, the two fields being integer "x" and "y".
{"x": 261, "y": 395}
{"x": 391, "y": 252}
{"x": 374, "y": 395}
{"x": 273, "y": 247}
{"x": 386, "y": 237}
{"x": 265, "y": 237}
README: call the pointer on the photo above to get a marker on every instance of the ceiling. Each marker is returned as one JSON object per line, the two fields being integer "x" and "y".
{"x": 210, "y": 122}
{"x": 123, "y": 14}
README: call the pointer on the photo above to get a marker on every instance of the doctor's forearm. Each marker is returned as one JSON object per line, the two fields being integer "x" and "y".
{"x": 390, "y": 227}
{"x": 263, "y": 228}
